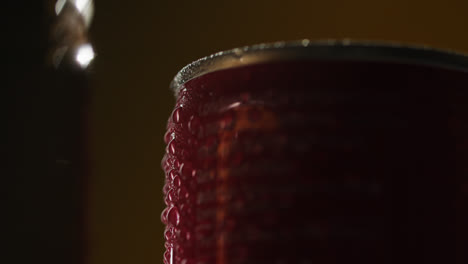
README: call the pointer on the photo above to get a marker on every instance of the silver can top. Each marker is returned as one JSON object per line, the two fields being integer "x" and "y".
{"x": 324, "y": 50}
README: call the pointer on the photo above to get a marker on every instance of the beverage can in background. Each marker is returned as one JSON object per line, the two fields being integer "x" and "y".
{"x": 47, "y": 96}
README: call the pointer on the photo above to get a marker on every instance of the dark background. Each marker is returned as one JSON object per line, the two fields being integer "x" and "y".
{"x": 142, "y": 44}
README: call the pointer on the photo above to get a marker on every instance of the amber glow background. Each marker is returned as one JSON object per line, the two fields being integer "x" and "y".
{"x": 142, "y": 44}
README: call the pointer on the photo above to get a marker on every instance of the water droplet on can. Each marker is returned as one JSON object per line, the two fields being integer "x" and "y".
{"x": 177, "y": 115}
{"x": 186, "y": 170}
{"x": 167, "y": 256}
{"x": 172, "y": 174}
{"x": 176, "y": 181}
{"x": 168, "y": 136}
{"x": 169, "y": 233}
{"x": 173, "y": 216}
{"x": 168, "y": 245}
{"x": 171, "y": 196}
{"x": 164, "y": 162}
{"x": 176, "y": 164}
{"x": 171, "y": 148}
{"x": 166, "y": 188}
{"x": 194, "y": 125}
{"x": 183, "y": 193}
{"x": 164, "y": 216}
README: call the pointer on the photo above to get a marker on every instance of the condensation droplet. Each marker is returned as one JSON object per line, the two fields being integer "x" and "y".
{"x": 169, "y": 234}
{"x": 194, "y": 125}
{"x": 168, "y": 136}
{"x": 173, "y": 216}
{"x": 183, "y": 193}
{"x": 168, "y": 245}
{"x": 180, "y": 251}
{"x": 163, "y": 162}
{"x": 184, "y": 209}
{"x": 176, "y": 181}
{"x": 166, "y": 188}
{"x": 171, "y": 147}
{"x": 176, "y": 164}
{"x": 187, "y": 261}
{"x": 184, "y": 153}
{"x": 171, "y": 196}
{"x": 237, "y": 52}
{"x": 192, "y": 142}
{"x": 167, "y": 256}
{"x": 194, "y": 173}
{"x": 176, "y": 115}
{"x": 172, "y": 174}
{"x": 188, "y": 236}
{"x": 164, "y": 215}
{"x": 186, "y": 170}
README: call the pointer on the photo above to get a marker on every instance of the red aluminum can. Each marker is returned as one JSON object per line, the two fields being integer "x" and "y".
{"x": 328, "y": 152}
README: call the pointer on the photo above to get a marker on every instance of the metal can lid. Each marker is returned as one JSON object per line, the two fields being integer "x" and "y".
{"x": 323, "y": 50}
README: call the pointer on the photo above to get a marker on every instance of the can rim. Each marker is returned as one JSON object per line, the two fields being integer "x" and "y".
{"x": 324, "y": 50}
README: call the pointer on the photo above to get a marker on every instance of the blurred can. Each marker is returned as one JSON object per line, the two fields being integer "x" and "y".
{"x": 47, "y": 168}
{"x": 327, "y": 152}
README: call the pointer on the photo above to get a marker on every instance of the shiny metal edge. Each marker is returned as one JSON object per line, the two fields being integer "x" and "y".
{"x": 326, "y": 49}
